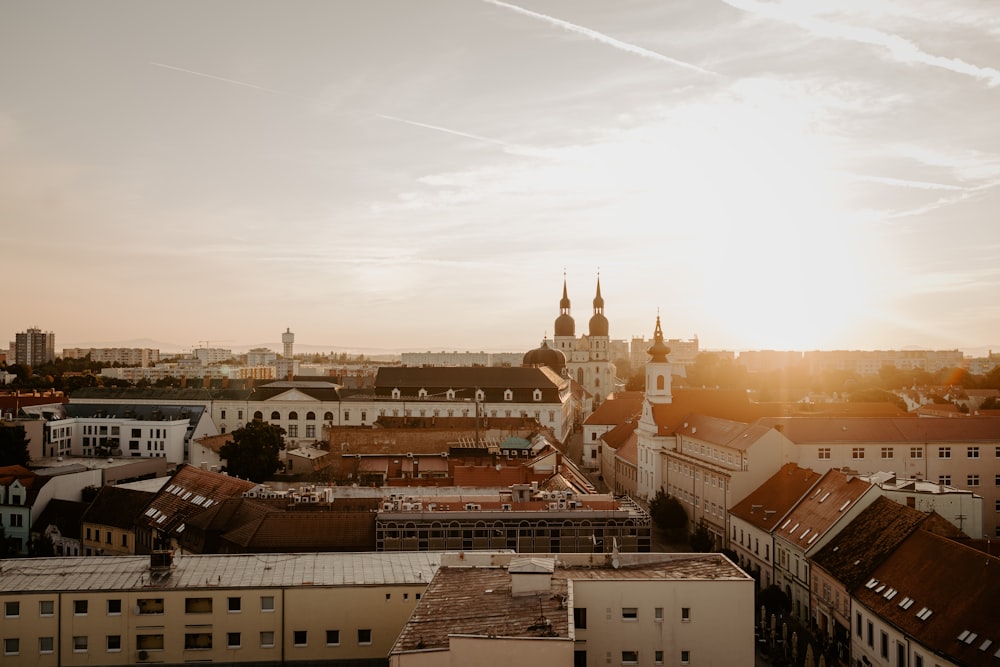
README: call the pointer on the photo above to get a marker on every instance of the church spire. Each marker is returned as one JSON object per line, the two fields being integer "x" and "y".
{"x": 658, "y": 350}
{"x": 598, "y": 300}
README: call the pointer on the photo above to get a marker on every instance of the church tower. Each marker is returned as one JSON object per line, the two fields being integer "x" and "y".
{"x": 564, "y": 332}
{"x": 658, "y": 376}
{"x": 658, "y": 369}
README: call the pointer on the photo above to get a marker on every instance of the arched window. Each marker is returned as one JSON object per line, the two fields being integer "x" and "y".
{"x": 395, "y": 393}
{"x": 310, "y": 416}
{"x": 480, "y": 395}
{"x": 275, "y": 415}
{"x": 328, "y": 416}
{"x": 422, "y": 393}
{"x": 508, "y": 395}
{"x": 450, "y": 395}
{"x": 293, "y": 415}
{"x": 659, "y": 382}
{"x": 537, "y": 394}
{"x": 258, "y": 416}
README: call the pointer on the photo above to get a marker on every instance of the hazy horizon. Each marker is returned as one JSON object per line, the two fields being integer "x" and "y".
{"x": 421, "y": 176}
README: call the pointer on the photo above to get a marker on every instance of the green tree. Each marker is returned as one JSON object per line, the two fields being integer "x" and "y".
{"x": 668, "y": 514}
{"x": 701, "y": 539}
{"x": 14, "y": 446}
{"x": 254, "y": 451}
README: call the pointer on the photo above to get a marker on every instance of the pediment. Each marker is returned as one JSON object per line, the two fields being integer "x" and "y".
{"x": 294, "y": 396}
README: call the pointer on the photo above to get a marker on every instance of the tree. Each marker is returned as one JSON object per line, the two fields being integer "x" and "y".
{"x": 701, "y": 539}
{"x": 14, "y": 446}
{"x": 254, "y": 451}
{"x": 775, "y": 600}
{"x": 668, "y": 514}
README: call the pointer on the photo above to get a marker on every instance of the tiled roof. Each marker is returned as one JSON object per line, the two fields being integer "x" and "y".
{"x": 942, "y": 593}
{"x": 458, "y": 377}
{"x": 722, "y": 432}
{"x": 117, "y": 507}
{"x": 629, "y": 451}
{"x": 768, "y": 504}
{"x": 617, "y": 436}
{"x": 805, "y": 431}
{"x": 126, "y": 573}
{"x": 189, "y": 491}
{"x": 821, "y": 508}
{"x": 863, "y": 544}
{"x": 617, "y": 409}
{"x": 29, "y": 480}
{"x": 318, "y": 390}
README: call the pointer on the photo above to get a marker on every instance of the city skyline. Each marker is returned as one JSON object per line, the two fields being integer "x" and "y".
{"x": 392, "y": 176}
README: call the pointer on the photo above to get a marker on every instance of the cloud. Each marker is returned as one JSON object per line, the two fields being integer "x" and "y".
{"x": 901, "y": 49}
{"x": 602, "y": 38}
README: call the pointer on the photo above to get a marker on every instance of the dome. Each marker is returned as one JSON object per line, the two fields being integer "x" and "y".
{"x": 659, "y": 350}
{"x": 598, "y": 325}
{"x": 545, "y": 356}
{"x": 565, "y": 326}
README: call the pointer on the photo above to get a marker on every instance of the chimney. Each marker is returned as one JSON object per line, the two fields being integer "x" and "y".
{"x": 530, "y": 576}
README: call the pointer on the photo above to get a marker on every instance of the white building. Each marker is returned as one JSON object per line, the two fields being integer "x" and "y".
{"x": 588, "y": 358}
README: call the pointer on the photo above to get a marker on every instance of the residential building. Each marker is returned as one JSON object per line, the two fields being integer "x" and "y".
{"x": 611, "y": 442}
{"x": 260, "y": 609}
{"x": 753, "y": 520}
{"x": 870, "y": 362}
{"x": 932, "y": 602}
{"x": 143, "y": 357}
{"x": 619, "y": 408}
{"x": 581, "y": 609}
{"x": 108, "y": 524}
{"x": 59, "y": 525}
{"x": 21, "y": 499}
{"x": 33, "y": 347}
{"x": 848, "y": 560}
{"x": 626, "y": 470}
{"x": 832, "y": 503}
{"x": 961, "y": 507}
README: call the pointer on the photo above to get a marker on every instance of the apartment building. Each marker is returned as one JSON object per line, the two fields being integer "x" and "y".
{"x": 260, "y": 609}
{"x": 124, "y": 356}
{"x": 581, "y": 609}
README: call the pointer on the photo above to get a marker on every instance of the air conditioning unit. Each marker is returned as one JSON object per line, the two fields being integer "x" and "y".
{"x": 386, "y": 507}
{"x": 553, "y": 506}
{"x": 506, "y": 507}
{"x": 142, "y": 655}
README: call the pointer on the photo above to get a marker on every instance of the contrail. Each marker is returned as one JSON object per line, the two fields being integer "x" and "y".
{"x": 901, "y": 49}
{"x": 905, "y": 183}
{"x": 602, "y": 38}
{"x": 444, "y": 129}
{"x": 223, "y": 79}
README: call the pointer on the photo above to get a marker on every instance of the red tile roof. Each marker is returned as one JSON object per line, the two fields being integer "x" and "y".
{"x": 822, "y": 508}
{"x": 768, "y": 504}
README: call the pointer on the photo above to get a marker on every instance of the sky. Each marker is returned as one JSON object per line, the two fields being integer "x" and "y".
{"x": 423, "y": 175}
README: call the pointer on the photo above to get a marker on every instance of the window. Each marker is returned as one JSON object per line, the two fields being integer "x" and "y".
{"x": 150, "y": 605}
{"x": 11, "y": 646}
{"x": 293, "y": 430}
{"x": 197, "y": 605}
{"x": 222, "y": 414}
{"x": 333, "y": 637}
{"x": 973, "y": 480}
{"x": 11, "y": 609}
{"x": 235, "y": 604}
{"x": 972, "y": 452}
{"x": 658, "y": 614}
{"x": 630, "y": 613}
{"x": 149, "y": 642}
{"x": 996, "y": 481}
{"x": 267, "y": 639}
{"x": 887, "y": 452}
{"x": 871, "y": 635}
{"x": 630, "y": 657}
{"x": 232, "y": 640}
{"x": 685, "y": 657}
{"x": 365, "y": 637}
{"x": 824, "y": 453}
{"x": 580, "y": 615}
{"x": 944, "y": 452}
{"x": 80, "y": 607}
{"x": 300, "y": 637}
{"x": 114, "y": 607}
{"x": 197, "y": 641}
{"x": 884, "y": 644}
{"x": 80, "y": 644}
{"x": 916, "y": 453}
{"x": 46, "y": 644}
{"x": 310, "y": 430}
{"x": 685, "y": 614}
{"x": 857, "y": 452}
{"x": 267, "y": 603}
{"x": 114, "y": 643}
{"x": 658, "y": 657}
{"x": 918, "y": 660}
{"x": 275, "y": 415}
{"x": 46, "y": 608}
{"x": 857, "y": 624}
{"x": 944, "y": 480}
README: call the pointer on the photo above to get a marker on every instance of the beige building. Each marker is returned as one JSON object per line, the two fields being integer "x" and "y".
{"x": 581, "y": 609}
{"x": 261, "y": 609}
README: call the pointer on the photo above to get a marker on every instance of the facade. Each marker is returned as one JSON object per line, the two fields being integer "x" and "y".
{"x": 870, "y": 362}
{"x": 143, "y": 357}
{"x": 19, "y": 502}
{"x": 581, "y": 609}
{"x": 34, "y": 347}
{"x": 961, "y": 507}
{"x": 107, "y": 526}
{"x": 588, "y": 358}
{"x": 831, "y": 504}
{"x": 59, "y": 525}
{"x": 260, "y": 609}
{"x": 619, "y": 408}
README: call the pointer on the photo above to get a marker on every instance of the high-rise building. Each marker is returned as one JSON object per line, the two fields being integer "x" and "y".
{"x": 287, "y": 341}
{"x": 33, "y": 347}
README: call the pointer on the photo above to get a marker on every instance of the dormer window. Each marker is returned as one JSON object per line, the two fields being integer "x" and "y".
{"x": 395, "y": 393}
{"x": 480, "y": 395}
{"x": 508, "y": 395}
{"x": 422, "y": 393}
{"x": 537, "y": 394}
{"x": 450, "y": 394}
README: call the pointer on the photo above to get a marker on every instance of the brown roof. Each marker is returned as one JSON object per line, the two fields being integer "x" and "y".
{"x": 629, "y": 451}
{"x": 722, "y": 432}
{"x": 768, "y": 504}
{"x": 215, "y": 442}
{"x": 117, "y": 507}
{"x": 64, "y": 514}
{"x": 822, "y": 508}
{"x": 863, "y": 544}
{"x": 617, "y": 436}
{"x": 28, "y": 479}
{"x": 189, "y": 491}
{"x": 803, "y": 431}
{"x": 944, "y": 594}
{"x": 617, "y": 409}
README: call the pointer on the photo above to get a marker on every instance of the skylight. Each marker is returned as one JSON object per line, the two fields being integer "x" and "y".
{"x": 844, "y": 506}
{"x": 787, "y": 521}
{"x": 986, "y": 644}
{"x": 971, "y": 638}
{"x": 891, "y": 593}
{"x": 825, "y": 496}
{"x": 871, "y": 583}
{"x": 902, "y": 603}
{"x": 924, "y": 614}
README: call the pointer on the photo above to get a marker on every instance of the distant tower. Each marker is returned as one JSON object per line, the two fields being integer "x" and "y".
{"x": 287, "y": 340}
